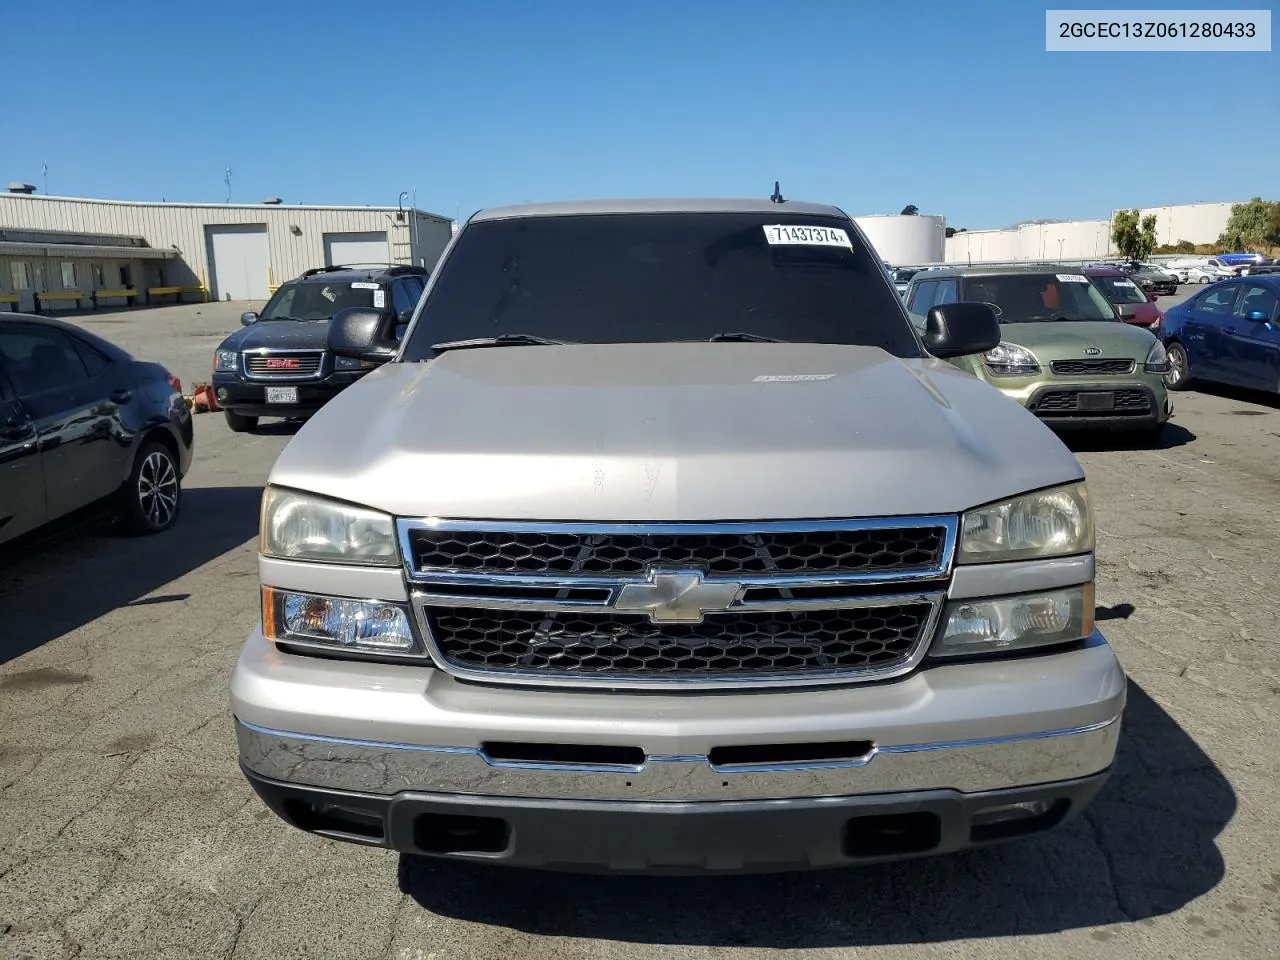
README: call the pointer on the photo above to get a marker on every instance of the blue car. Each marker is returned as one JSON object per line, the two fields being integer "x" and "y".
{"x": 1228, "y": 333}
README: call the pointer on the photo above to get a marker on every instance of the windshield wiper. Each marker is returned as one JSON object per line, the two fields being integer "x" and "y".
{"x": 503, "y": 340}
{"x": 742, "y": 337}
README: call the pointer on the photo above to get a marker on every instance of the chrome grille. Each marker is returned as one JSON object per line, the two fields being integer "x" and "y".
{"x": 692, "y": 604}
{"x": 758, "y": 645}
{"x": 283, "y": 364}
{"x": 722, "y": 552}
{"x": 1076, "y": 367}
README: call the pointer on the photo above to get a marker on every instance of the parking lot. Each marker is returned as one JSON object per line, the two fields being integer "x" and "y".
{"x": 126, "y": 829}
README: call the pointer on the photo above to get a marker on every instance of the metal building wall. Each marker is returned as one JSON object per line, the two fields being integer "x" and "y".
{"x": 901, "y": 240}
{"x": 1196, "y": 222}
{"x": 183, "y": 226}
{"x": 1085, "y": 239}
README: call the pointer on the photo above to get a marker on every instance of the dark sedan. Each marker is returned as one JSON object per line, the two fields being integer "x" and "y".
{"x": 1228, "y": 333}
{"x": 1152, "y": 279}
{"x": 84, "y": 425}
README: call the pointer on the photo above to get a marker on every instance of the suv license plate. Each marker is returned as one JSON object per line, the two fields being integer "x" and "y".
{"x": 1097, "y": 401}
{"x": 282, "y": 394}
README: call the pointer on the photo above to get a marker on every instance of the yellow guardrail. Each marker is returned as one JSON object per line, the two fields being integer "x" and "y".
{"x": 10, "y": 298}
{"x": 62, "y": 295}
{"x": 101, "y": 294}
{"x": 176, "y": 291}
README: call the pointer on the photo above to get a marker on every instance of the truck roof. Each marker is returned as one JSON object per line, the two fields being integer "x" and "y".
{"x": 564, "y": 208}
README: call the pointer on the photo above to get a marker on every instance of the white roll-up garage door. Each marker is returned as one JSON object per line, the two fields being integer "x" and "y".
{"x": 340, "y": 248}
{"x": 239, "y": 257}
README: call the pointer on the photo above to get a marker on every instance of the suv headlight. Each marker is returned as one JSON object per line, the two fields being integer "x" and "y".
{"x": 1050, "y": 523}
{"x": 307, "y": 619}
{"x": 226, "y": 361}
{"x": 1157, "y": 360}
{"x": 302, "y": 526}
{"x": 1007, "y": 624}
{"x": 1010, "y": 360}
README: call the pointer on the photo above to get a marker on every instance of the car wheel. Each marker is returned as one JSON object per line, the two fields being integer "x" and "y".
{"x": 152, "y": 496}
{"x": 1179, "y": 375}
{"x": 1204, "y": 279}
{"x": 239, "y": 423}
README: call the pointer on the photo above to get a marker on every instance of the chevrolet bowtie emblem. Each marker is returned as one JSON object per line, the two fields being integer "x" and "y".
{"x": 682, "y": 596}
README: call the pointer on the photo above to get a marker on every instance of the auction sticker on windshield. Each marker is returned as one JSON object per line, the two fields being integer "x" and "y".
{"x": 1072, "y": 278}
{"x": 785, "y": 234}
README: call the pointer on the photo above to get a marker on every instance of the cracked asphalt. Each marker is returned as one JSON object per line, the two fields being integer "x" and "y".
{"x": 126, "y": 829}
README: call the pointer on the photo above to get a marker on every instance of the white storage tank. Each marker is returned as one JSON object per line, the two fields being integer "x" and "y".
{"x": 906, "y": 240}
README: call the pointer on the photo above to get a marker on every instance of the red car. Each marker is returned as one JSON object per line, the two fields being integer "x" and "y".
{"x": 1127, "y": 297}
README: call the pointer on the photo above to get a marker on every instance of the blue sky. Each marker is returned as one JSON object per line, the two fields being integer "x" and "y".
{"x": 955, "y": 107}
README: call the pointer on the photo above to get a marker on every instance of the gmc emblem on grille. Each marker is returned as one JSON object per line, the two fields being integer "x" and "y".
{"x": 677, "y": 596}
{"x": 283, "y": 363}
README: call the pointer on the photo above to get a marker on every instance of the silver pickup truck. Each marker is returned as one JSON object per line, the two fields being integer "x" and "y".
{"x": 665, "y": 543}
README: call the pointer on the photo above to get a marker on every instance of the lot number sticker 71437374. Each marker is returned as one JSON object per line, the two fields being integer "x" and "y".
{"x": 782, "y": 234}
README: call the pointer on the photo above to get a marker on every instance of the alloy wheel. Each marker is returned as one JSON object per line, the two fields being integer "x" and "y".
{"x": 158, "y": 489}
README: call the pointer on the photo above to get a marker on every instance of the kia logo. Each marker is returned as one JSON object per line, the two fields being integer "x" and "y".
{"x": 283, "y": 363}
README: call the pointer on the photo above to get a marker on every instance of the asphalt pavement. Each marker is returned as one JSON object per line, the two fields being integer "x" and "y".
{"x": 126, "y": 829}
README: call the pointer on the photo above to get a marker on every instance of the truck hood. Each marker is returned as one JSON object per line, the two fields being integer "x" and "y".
{"x": 280, "y": 334}
{"x": 1068, "y": 339}
{"x": 679, "y": 432}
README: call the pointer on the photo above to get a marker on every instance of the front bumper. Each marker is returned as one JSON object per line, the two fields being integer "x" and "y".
{"x": 1158, "y": 407}
{"x": 249, "y": 398}
{"x": 942, "y": 737}
{"x": 679, "y": 838}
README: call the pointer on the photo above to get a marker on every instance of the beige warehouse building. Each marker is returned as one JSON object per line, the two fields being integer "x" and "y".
{"x": 63, "y": 252}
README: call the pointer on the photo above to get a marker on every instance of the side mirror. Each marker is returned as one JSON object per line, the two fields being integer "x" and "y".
{"x": 358, "y": 333}
{"x": 246, "y": 319}
{"x": 1153, "y": 297}
{"x": 1126, "y": 310}
{"x": 961, "y": 329}
{"x": 1259, "y": 316}
{"x": 401, "y": 330}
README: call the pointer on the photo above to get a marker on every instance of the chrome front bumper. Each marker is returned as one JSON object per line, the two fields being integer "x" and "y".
{"x": 385, "y": 730}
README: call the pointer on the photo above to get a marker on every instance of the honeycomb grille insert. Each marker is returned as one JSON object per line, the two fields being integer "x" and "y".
{"x": 753, "y": 645}
{"x": 1070, "y": 367}
{"x": 718, "y": 554}
{"x": 1129, "y": 401}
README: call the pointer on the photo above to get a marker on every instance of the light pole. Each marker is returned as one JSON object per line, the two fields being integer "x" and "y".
{"x": 1060, "y": 242}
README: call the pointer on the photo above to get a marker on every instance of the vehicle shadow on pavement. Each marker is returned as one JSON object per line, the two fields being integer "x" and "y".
{"x": 1144, "y": 848}
{"x": 1173, "y": 435}
{"x": 52, "y": 584}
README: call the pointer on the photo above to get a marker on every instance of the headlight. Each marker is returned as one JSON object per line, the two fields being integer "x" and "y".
{"x": 351, "y": 363}
{"x": 226, "y": 361}
{"x": 1050, "y": 523}
{"x": 301, "y": 526}
{"x": 1005, "y": 624}
{"x": 1157, "y": 359}
{"x": 373, "y": 626}
{"x": 1010, "y": 360}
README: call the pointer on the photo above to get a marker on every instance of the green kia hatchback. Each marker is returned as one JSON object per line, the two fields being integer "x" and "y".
{"x": 1064, "y": 353}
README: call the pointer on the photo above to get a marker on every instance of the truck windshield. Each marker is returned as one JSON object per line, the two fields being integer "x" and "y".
{"x": 653, "y": 277}
{"x": 1028, "y": 297}
{"x": 316, "y": 300}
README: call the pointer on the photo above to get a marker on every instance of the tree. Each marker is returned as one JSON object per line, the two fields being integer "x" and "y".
{"x": 1133, "y": 235}
{"x": 910, "y": 210}
{"x": 952, "y": 231}
{"x": 1252, "y": 225}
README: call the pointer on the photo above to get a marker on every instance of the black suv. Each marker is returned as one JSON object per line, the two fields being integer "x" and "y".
{"x": 278, "y": 365}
